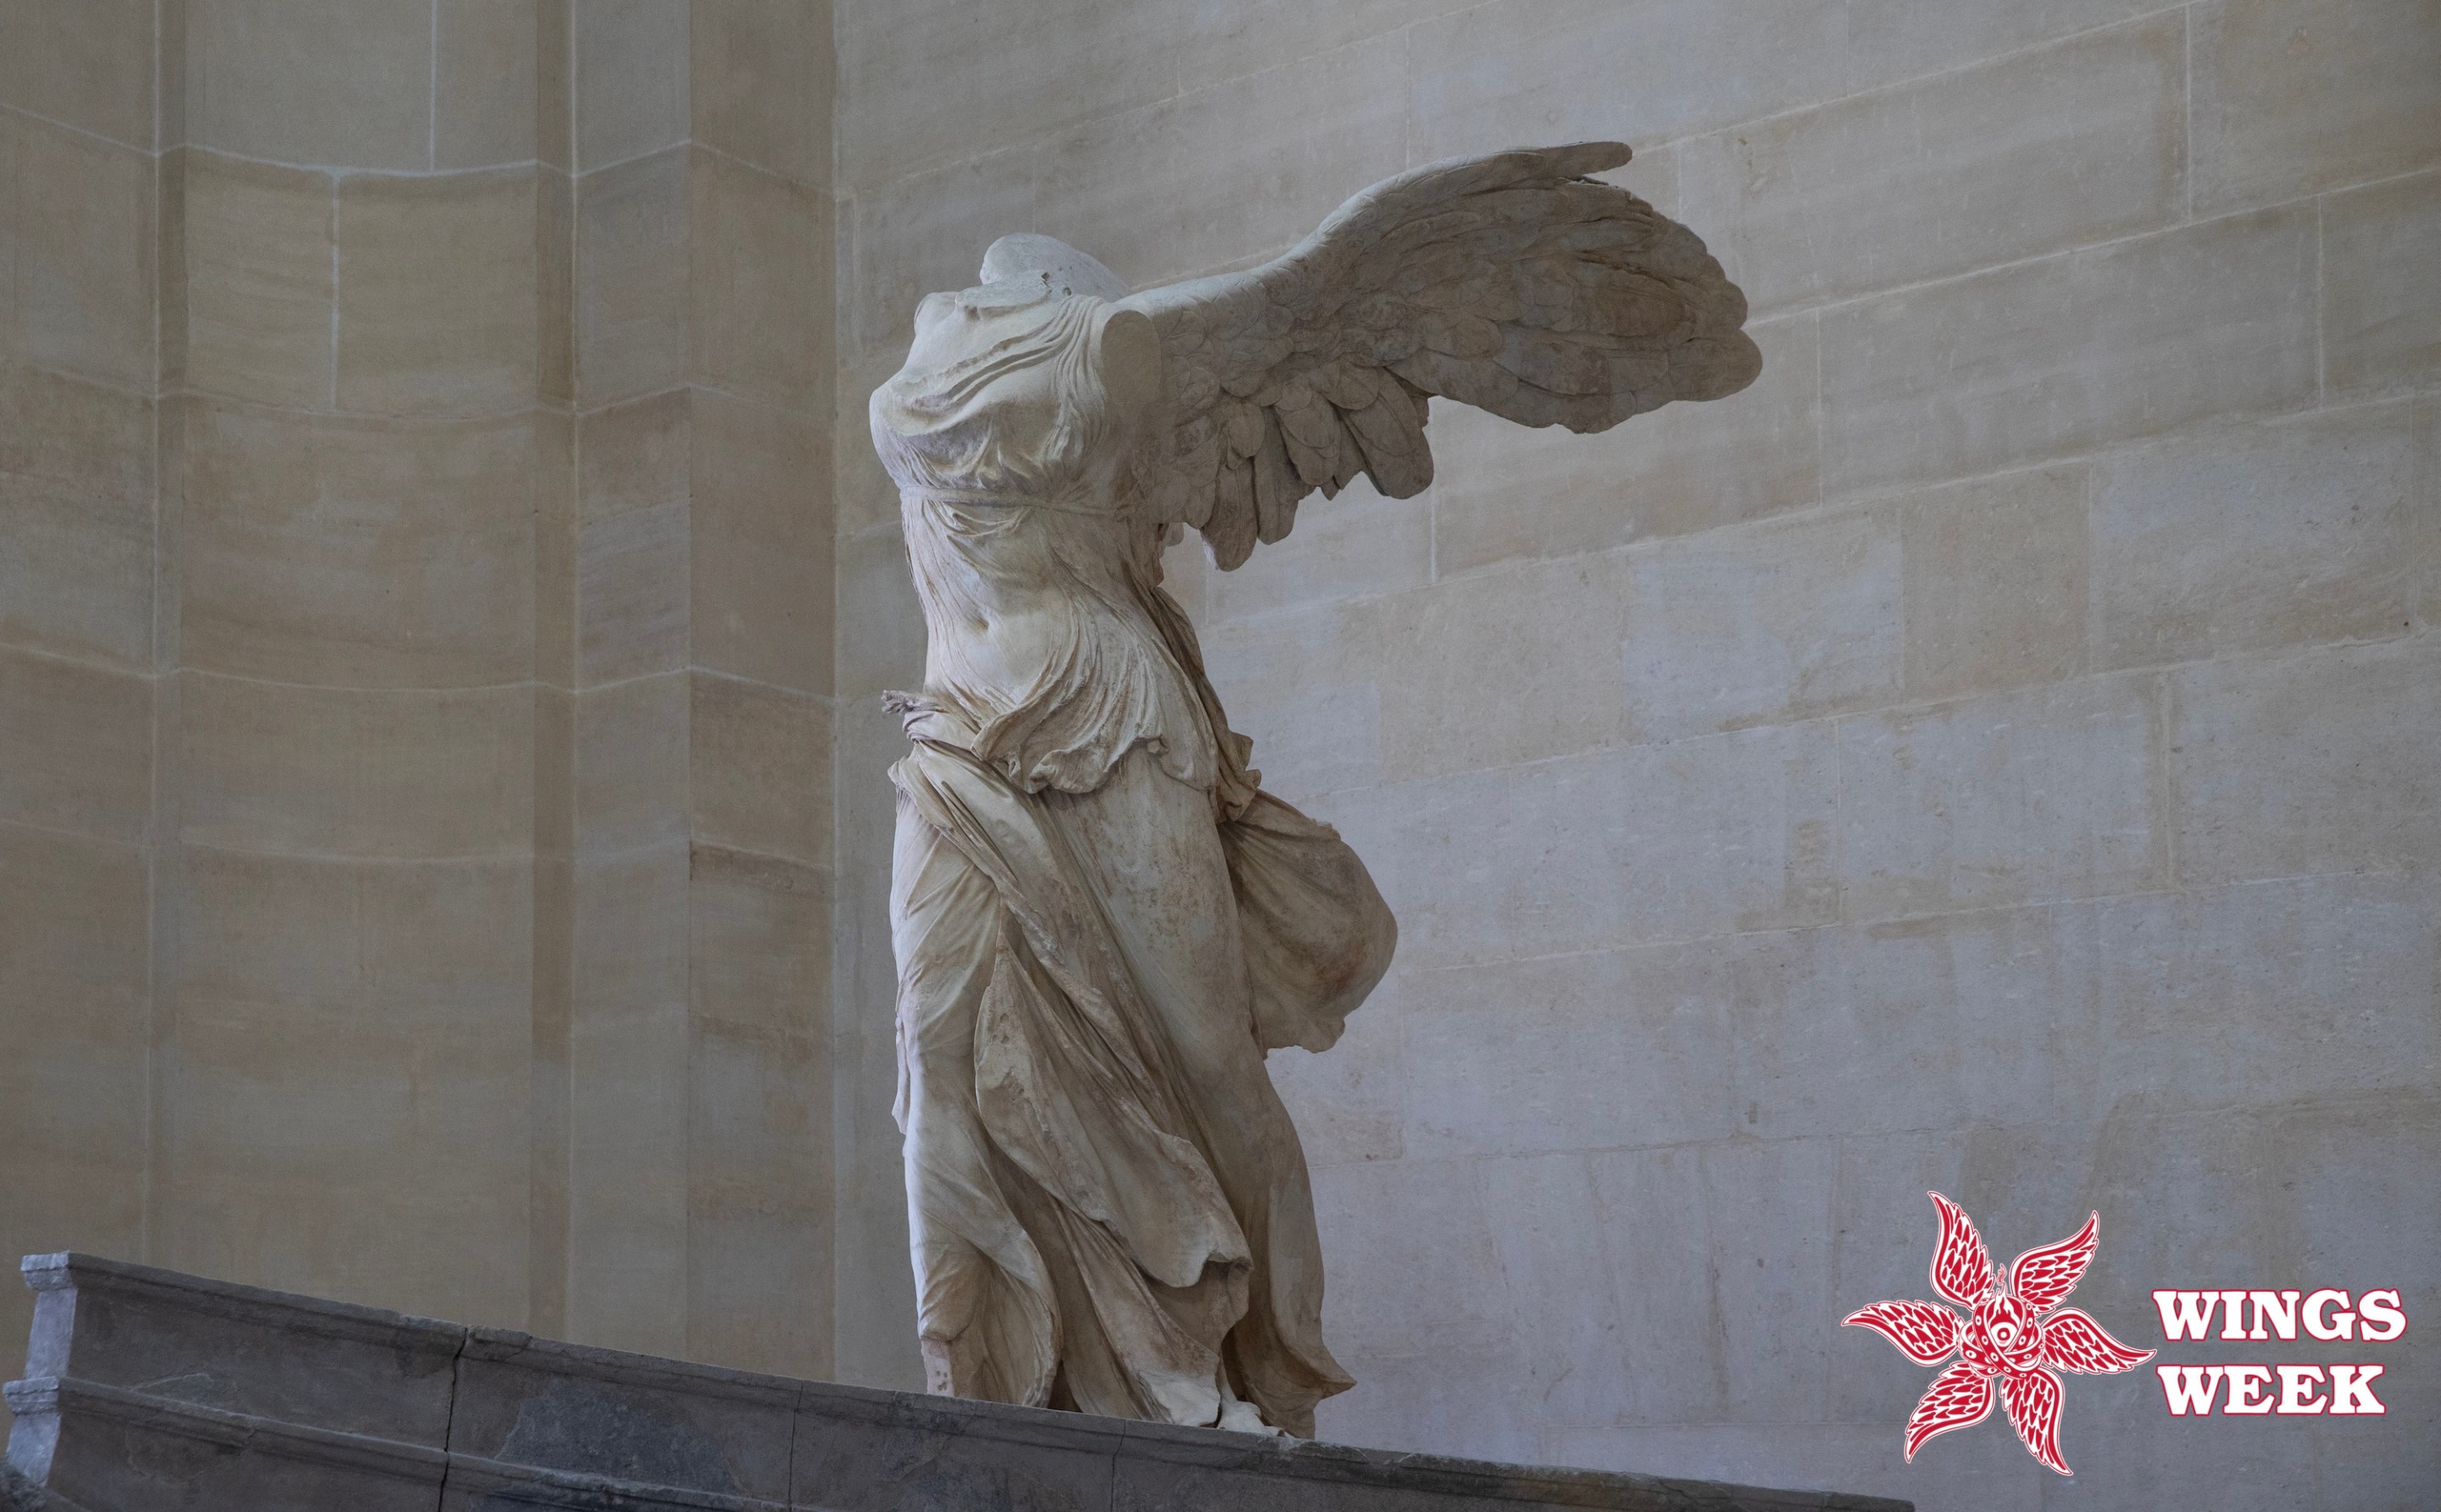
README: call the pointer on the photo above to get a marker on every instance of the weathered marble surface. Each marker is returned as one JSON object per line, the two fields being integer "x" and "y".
{"x": 1102, "y": 924}
{"x": 147, "y": 1388}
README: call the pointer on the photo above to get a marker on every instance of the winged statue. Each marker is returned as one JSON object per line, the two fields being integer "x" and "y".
{"x": 1102, "y": 922}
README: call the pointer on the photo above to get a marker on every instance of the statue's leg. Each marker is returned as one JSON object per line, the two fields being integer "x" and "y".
{"x": 1150, "y": 844}
{"x": 984, "y": 1309}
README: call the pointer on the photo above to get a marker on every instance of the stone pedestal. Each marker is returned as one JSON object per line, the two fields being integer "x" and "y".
{"x": 149, "y": 1389}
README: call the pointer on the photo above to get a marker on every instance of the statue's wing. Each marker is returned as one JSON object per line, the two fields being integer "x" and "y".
{"x": 1509, "y": 281}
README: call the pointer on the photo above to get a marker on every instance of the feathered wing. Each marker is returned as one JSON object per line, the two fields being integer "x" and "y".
{"x": 1925, "y": 1332}
{"x": 1509, "y": 281}
{"x": 2047, "y": 1274}
{"x": 1959, "y": 1396}
{"x": 1962, "y": 1266}
{"x": 2032, "y": 1400}
{"x": 2073, "y": 1341}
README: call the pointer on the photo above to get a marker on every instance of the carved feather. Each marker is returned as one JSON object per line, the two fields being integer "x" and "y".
{"x": 1511, "y": 281}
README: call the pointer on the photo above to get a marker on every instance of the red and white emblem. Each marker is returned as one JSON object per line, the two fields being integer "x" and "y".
{"x": 2010, "y": 1340}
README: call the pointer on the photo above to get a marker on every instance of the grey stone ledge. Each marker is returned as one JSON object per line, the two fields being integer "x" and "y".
{"x": 289, "y": 1312}
{"x": 61, "y": 1396}
{"x": 145, "y": 1382}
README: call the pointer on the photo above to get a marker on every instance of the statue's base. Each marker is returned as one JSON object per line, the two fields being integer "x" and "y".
{"x": 147, "y": 1388}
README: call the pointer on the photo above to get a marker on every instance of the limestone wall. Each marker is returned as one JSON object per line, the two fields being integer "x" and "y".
{"x": 78, "y": 263}
{"x": 414, "y": 656}
{"x": 1999, "y": 752}
{"x": 1996, "y": 753}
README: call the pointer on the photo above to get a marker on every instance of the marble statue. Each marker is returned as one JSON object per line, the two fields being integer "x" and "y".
{"x": 1102, "y": 922}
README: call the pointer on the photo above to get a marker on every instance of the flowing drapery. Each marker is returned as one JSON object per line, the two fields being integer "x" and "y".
{"x": 1109, "y": 1204}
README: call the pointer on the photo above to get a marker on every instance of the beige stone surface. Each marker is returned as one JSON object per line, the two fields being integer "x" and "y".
{"x": 1629, "y": 846}
{"x": 758, "y": 769}
{"x": 2296, "y": 96}
{"x": 1359, "y": 545}
{"x": 357, "y": 552}
{"x": 484, "y": 83}
{"x": 2381, "y": 331}
{"x": 170, "y": 77}
{"x": 631, "y": 299}
{"x": 632, "y": 618}
{"x": 2257, "y": 537}
{"x": 84, "y": 249}
{"x": 863, "y": 498}
{"x": 73, "y": 1087}
{"x": 170, "y": 321}
{"x": 2426, "y": 420}
{"x": 550, "y": 1084}
{"x": 555, "y": 92}
{"x": 1455, "y": 698}
{"x": 555, "y": 792}
{"x": 337, "y": 84}
{"x": 76, "y": 570}
{"x": 1371, "y": 1208}
{"x": 2022, "y": 796}
{"x": 1605, "y": 1047}
{"x": 1938, "y": 1006}
{"x": 887, "y": 53}
{"x": 404, "y": 930}
{"x": 632, "y": 761}
{"x": 760, "y": 84}
{"x": 437, "y": 284}
{"x": 759, "y": 1200}
{"x": 76, "y": 748}
{"x": 2225, "y": 995}
{"x": 631, "y": 59}
{"x": 1501, "y": 493}
{"x": 73, "y": 901}
{"x": 635, "y": 454}
{"x": 2321, "y": 761}
{"x": 1306, "y": 688}
{"x": 554, "y": 286}
{"x": 83, "y": 64}
{"x": 260, "y": 282}
{"x": 79, "y": 258}
{"x": 2061, "y": 146}
{"x": 881, "y": 626}
{"x": 1249, "y": 166}
{"x": 403, "y": 986}
{"x": 55, "y": 428}
{"x": 758, "y": 255}
{"x": 1764, "y": 623}
{"x": 627, "y": 1115}
{"x": 759, "y": 947}
{"x": 2067, "y": 352}
{"x": 403, "y": 773}
{"x": 1351, "y": 1109}
{"x": 1515, "y": 70}
{"x": 1997, "y": 581}
{"x": 630, "y": 949}
{"x": 760, "y": 549}
{"x": 555, "y": 545}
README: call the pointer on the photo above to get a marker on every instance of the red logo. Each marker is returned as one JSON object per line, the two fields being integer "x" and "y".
{"x": 2010, "y": 1340}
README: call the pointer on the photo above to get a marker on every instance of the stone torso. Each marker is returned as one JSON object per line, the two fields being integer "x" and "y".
{"x": 1008, "y": 444}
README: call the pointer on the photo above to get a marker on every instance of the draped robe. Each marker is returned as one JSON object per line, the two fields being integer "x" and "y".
{"x": 1102, "y": 923}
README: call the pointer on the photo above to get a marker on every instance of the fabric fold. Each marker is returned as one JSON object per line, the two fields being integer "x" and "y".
{"x": 1112, "y": 1210}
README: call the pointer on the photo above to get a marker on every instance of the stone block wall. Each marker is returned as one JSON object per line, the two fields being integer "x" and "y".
{"x": 77, "y": 400}
{"x": 414, "y": 634}
{"x": 699, "y": 653}
{"x": 1999, "y": 752}
{"x": 444, "y": 587}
